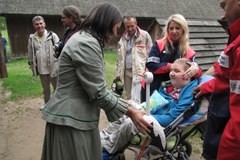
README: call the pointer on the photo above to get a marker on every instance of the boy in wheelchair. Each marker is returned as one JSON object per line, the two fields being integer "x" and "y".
{"x": 175, "y": 98}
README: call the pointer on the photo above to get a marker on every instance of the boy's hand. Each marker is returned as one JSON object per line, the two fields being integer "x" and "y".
{"x": 197, "y": 92}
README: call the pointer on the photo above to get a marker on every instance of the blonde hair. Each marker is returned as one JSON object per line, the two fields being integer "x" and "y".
{"x": 184, "y": 40}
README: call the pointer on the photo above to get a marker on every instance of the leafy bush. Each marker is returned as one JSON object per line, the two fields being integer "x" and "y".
{"x": 3, "y": 25}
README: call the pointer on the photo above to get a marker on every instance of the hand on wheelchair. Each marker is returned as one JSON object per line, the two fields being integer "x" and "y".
{"x": 137, "y": 117}
{"x": 197, "y": 92}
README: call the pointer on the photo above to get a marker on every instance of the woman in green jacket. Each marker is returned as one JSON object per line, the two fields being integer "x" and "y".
{"x": 72, "y": 114}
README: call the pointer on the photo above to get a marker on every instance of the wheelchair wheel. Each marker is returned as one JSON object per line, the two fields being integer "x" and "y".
{"x": 183, "y": 151}
{"x": 187, "y": 147}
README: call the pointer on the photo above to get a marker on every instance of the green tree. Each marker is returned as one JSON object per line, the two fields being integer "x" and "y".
{"x": 2, "y": 23}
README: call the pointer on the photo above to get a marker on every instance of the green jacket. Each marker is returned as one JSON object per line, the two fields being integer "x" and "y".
{"x": 81, "y": 89}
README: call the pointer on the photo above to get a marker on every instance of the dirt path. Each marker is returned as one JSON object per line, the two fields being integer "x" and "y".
{"x": 22, "y": 130}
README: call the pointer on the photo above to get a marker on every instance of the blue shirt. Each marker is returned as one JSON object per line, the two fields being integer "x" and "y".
{"x": 130, "y": 43}
{"x": 170, "y": 112}
{"x": 4, "y": 42}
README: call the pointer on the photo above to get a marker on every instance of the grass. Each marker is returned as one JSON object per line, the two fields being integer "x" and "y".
{"x": 110, "y": 60}
{"x": 21, "y": 84}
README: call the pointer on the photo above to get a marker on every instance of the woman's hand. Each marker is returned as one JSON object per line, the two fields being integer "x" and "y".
{"x": 137, "y": 118}
{"x": 192, "y": 71}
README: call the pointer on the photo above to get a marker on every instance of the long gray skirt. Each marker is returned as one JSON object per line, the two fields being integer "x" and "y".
{"x": 67, "y": 143}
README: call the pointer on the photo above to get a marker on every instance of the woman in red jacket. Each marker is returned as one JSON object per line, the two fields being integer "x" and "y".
{"x": 174, "y": 45}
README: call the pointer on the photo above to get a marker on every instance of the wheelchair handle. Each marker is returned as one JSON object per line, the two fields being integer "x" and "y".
{"x": 148, "y": 76}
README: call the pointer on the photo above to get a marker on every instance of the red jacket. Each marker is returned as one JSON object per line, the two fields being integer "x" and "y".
{"x": 229, "y": 68}
{"x": 221, "y": 81}
{"x": 159, "y": 62}
{"x": 190, "y": 55}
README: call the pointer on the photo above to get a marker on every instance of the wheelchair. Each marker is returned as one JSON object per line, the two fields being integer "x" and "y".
{"x": 190, "y": 122}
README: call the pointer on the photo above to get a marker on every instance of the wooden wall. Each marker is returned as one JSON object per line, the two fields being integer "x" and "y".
{"x": 207, "y": 38}
{"x": 20, "y": 27}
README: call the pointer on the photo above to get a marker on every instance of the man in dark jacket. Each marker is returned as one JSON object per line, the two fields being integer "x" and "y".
{"x": 71, "y": 19}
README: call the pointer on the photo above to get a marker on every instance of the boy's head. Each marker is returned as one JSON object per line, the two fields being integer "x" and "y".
{"x": 177, "y": 71}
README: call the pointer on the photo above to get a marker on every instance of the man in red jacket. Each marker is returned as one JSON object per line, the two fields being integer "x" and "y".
{"x": 230, "y": 142}
{"x": 227, "y": 79}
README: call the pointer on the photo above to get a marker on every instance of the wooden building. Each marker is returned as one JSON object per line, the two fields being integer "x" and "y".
{"x": 207, "y": 36}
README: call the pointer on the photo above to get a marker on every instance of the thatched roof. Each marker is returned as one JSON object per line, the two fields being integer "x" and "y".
{"x": 195, "y": 9}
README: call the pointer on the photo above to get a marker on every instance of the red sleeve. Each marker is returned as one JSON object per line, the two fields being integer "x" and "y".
{"x": 222, "y": 84}
{"x": 198, "y": 75}
{"x": 222, "y": 81}
{"x": 163, "y": 69}
{"x": 207, "y": 87}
